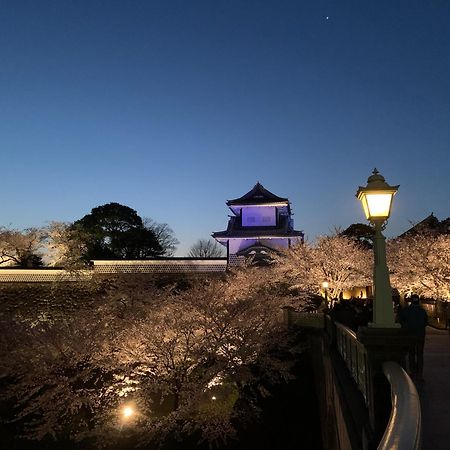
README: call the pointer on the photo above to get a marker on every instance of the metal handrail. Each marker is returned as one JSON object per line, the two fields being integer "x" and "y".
{"x": 404, "y": 429}
{"x": 355, "y": 356}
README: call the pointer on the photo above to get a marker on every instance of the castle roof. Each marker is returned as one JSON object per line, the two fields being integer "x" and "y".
{"x": 431, "y": 224}
{"x": 258, "y": 195}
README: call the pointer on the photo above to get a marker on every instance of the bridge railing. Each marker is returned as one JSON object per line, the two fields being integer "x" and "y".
{"x": 404, "y": 429}
{"x": 354, "y": 354}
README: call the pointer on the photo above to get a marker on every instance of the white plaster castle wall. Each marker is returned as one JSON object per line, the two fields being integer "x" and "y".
{"x": 275, "y": 243}
{"x": 236, "y": 245}
{"x": 103, "y": 267}
{"x": 42, "y": 275}
{"x": 161, "y": 266}
{"x": 258, "y": 216}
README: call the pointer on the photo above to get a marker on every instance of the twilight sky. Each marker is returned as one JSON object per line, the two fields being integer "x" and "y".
{"x": 173, "y": 107}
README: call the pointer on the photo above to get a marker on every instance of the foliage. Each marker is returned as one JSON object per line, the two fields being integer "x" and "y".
{"x": 114, "y": 231}
{"x": 361, "y": 232}
{"x": 337, "y": 259}
{"x": 183, "y": 353}
{"x": 164, "y": 234}
{"x": 167, "y": 350}
{"x": 420, "y": 263}
{"x": 21, "y": 248}
{"x": 63, "y": 246}
{"x": 206, "y": 248}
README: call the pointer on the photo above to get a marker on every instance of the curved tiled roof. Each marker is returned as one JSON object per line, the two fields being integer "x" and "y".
{"x": 258, "y": 195}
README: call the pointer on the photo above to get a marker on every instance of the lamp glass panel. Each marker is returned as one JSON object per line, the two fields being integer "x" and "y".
{"x": 378, "y": 205}
{"x": 365, "y": 206}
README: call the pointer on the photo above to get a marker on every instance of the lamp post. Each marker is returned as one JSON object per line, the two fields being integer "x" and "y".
{"x": 376, "y": 199}
{"x": 325, "y": 291}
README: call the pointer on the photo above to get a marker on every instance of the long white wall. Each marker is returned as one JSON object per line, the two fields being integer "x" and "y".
{"x": 104, "y": 267}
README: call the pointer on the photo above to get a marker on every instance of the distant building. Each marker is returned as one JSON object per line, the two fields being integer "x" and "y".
{"x": 261, "y": 223}
{"x": 430, "y": 224}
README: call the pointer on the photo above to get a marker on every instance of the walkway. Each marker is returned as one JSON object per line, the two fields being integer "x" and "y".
{"x": 435, "y": 390}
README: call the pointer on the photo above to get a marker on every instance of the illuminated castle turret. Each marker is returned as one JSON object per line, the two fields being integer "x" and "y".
{"x": 260, "y": 225}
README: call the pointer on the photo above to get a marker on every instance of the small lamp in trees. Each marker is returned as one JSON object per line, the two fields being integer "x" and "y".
{"x": 325, "y": 286}
{"x": 376, "y": 199}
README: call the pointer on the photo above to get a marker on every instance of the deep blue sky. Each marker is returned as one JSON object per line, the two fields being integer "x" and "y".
{"x": 173, "y": 107}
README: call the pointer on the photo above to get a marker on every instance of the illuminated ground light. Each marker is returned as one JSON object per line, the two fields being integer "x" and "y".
{"x": 127, "y": 412}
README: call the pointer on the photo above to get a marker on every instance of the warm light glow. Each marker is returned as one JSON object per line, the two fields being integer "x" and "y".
{"x": 127, "y": 412}
{"x": 325, "y": 284}
{"x": 213, "y": 397}
{"x": 378, "y": 205}
{"x": 376, "y": 197}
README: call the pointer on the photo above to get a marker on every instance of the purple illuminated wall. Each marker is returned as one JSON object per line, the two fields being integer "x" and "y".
{"x": 259, "y": 216}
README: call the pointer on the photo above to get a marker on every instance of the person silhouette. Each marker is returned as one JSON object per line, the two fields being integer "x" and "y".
{"x": 414, "y": 318}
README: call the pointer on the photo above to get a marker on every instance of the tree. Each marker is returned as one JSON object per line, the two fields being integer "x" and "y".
{"x": 63, "y": 246}
{"x": 420, "y": 264}
{"x": 342, "y": 262}
{"x": 206, "y": 248}
{"x": 337, "y": 259}
{"x": 21, "y": 248}
{"x": 361, "y": 232}
{"x": 164, "y": 234}
{"x": 114, "y": 231}
{"x": 166, "y": 351}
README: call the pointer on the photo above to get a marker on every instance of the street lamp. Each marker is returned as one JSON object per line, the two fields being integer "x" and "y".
{"x": 376, "y": 199}
{"x": 325, "y": 290}
{"x": 127, "y": 413}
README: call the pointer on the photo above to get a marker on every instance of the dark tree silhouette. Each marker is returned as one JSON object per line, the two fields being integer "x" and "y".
{"x": 164, "y": 234}
{"x": 115, "y": 231}
{"x": 206, "y": 248}
{"x": 360, "y": 232}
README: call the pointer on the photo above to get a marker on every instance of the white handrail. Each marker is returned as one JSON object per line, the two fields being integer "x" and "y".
{"x": 404, "y": 429}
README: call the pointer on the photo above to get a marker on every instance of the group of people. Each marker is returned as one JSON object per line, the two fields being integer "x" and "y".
{"x": 353, "y": 313}
{"x": 413, "y": 318}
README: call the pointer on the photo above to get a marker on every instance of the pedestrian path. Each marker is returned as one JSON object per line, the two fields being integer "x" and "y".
{"x": 435, "y": 390}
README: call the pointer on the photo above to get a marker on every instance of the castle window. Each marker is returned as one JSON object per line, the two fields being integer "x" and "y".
{"x": 257, "y": 216}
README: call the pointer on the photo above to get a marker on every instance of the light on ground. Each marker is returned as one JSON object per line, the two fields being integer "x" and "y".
{"x": 127, "y": 412}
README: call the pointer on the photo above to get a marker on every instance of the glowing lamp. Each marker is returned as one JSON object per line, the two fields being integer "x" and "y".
{"x": 376, "y": 197}
{"x": 127, "y": 412}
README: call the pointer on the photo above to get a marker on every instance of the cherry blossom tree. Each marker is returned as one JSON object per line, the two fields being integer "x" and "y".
{"x": 339, "y": 260}
{"x": 420, "y": 263}
{"x": 63, "y": 247}
{"x": 21, "y": 248}
{"x": 179, "y": 353}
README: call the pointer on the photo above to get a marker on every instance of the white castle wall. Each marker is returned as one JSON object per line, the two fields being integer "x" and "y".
{"x": 110, "y": 267}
